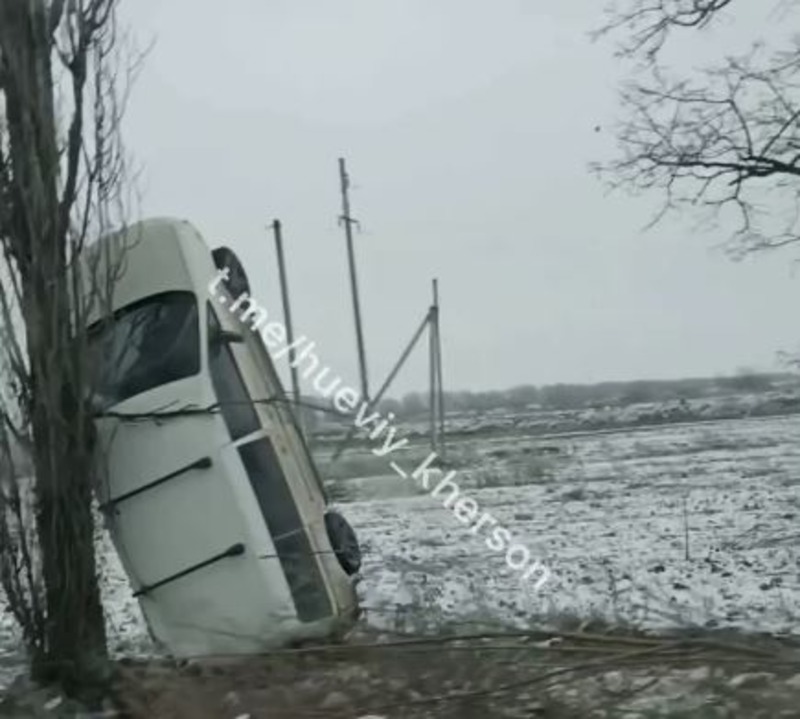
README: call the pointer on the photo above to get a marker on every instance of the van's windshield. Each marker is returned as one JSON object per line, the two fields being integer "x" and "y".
{"x": 147, "y": 344}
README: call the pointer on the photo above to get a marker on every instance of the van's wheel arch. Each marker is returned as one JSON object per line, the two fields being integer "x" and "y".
{"x": 344, "y": 542}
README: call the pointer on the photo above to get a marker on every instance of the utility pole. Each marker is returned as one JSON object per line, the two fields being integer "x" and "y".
{"x": 439, "y": 382}
{"x": 287, "y": 313}
{"x": 348, "y": 229}
{"x": 433, "y": 395}
{"x": 436, "y": 396}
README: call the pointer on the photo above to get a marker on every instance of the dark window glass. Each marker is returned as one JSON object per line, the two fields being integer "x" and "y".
{"x": 286, "y": 528}
{"x": 235, "y": 402}
{"x": 147, "y": 344}
{"x": 268, "y": 481}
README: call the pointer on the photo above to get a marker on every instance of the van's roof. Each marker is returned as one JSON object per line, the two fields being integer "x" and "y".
{"x": 146, "y": 258}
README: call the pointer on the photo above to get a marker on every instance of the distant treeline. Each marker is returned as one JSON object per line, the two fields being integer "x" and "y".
{"x": 603, "y": 394}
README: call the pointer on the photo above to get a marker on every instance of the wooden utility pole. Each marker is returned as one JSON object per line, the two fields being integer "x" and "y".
{"x": 436, "y": 396}
{"x": 439, "y": 383}
{"x": 348, "y": 229}
{"x": 287, "y": 314}
{"x": 433, "y": 394}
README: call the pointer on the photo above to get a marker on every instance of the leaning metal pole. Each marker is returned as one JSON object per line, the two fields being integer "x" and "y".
{"x": 345, "y": 443}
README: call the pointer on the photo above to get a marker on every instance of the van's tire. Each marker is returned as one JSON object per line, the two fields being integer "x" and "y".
{"x": 237, "y": 283}
{"x": 344, "y": 542}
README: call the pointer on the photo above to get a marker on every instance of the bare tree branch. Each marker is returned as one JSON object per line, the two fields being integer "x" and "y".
{"x": 726, "y": 141}
{"x": 647, "y": 25}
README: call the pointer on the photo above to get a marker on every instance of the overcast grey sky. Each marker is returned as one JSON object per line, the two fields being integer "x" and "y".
{"x": 468, "y": 126}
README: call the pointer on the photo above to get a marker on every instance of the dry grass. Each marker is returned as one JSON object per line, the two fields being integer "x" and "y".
{"x": 530, "y": 674}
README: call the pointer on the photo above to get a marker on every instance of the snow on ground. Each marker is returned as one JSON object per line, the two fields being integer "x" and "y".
{"x": 607, "y": 513}
{"x": 537, "y": 420}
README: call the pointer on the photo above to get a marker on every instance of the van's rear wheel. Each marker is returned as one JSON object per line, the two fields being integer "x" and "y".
{"x": 237, "y": 283}
{"x": 344, "y": 542}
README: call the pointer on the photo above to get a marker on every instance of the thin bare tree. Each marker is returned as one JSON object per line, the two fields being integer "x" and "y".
{"x": 722, "y": 140}
{"x": 61, "y": 172}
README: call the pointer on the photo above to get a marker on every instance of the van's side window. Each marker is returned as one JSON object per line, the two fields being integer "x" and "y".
{"x": 235, "y": 402}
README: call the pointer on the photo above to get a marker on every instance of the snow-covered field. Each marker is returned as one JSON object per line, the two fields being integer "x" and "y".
{"x": 609, "y": 514}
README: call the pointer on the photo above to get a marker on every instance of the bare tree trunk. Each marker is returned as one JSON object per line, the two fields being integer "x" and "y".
{"x": 39, "y": 177}
{"x": 75, "y": 638}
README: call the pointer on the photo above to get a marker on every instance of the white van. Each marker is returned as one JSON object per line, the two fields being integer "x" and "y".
{"x": 211, "y": 496}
